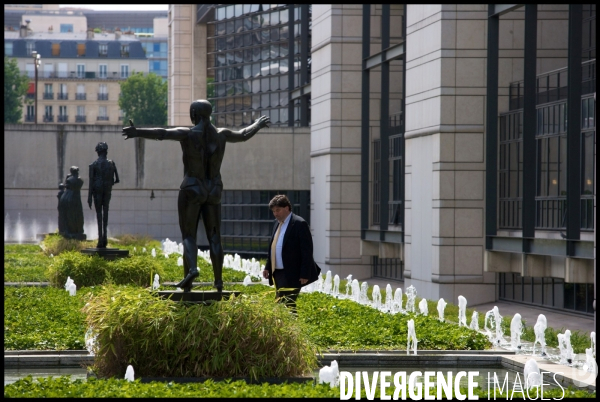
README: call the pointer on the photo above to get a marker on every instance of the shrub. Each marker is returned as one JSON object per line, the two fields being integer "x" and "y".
{"x": 160, "y": 338}
{"x": 24, "y": 263}
{"x": 135, "y": 270}
{"x": 55, "y": 244}
{"x": 83, "y": 269}
{"x": 137, "y": 240}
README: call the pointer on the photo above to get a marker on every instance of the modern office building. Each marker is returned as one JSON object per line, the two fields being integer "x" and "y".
{"x": 451, "y": 146}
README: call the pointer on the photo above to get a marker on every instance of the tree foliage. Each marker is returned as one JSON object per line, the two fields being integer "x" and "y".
{"x": 144, "y": 99}
{"x": 15, "y": 88}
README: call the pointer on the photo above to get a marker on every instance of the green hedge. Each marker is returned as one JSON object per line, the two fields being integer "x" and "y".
{"x": 246, "y": 336}
{"x": 94, "y": 270}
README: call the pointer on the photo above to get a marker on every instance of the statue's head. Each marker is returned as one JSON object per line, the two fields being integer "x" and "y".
{"x": 102, "y": 147}
{"x": 200, "y": 108}
{"x": 74, "y": 170}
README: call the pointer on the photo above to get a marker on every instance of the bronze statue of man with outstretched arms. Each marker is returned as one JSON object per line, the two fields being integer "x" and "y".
{"x": 203, "y": 147}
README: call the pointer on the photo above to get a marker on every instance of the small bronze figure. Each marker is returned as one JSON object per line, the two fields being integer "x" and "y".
{"x": 70, "y": 204}
{"x": 61, "y": 213}
{"x": 103, "y": 175}
{"x": 203, "y": 147}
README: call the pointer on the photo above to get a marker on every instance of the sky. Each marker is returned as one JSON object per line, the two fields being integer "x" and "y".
{"x": 120, "y": 7}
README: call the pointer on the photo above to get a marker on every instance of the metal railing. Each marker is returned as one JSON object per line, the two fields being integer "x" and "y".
{"x": 102, "y": 118}
{"x": 63, "y": 118}
{"x": 48, "y": 95}
{"x": 79, "y": 119}
{"x": 62, "y": 96}
{"x": 48, "y": 119}
{"x": 102, "y": 96}
{"x": 80, "y": 96}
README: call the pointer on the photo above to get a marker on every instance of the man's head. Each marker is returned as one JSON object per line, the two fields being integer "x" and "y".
{"x": 281, "y": 207}
{"x": 200, "y": 109}
{"x": 102, "y": 147}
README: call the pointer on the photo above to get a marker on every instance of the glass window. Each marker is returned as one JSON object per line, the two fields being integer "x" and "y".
{"x": 80, "y": 70}
{"x": 80, "y": 110}
{"x": 103, "y": 49}
{"x": 102, "y": 71}
{"x": 124, "y": 71}
{"x": 64, "y": 28}
{"x": 8, "y": 48}
{"x": 30, "y": 47}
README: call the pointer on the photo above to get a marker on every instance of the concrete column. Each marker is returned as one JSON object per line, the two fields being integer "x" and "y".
{"x": 445, "y": 116}
{"x": 335, "y": 139}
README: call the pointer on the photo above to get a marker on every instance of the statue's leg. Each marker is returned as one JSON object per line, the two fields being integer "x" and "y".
{"x": 104, "y": 225}
{"x": 98, "y": 206}
{"x": 211, "y": 215}
{"x": 189, "y": 215}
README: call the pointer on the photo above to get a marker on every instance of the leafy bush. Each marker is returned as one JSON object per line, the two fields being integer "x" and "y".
{"x": 94, "y": 270}
{"x": 136, "y": 240}
{"x": 83, "y": 269}
{"x": 62, "y": 387}
{"x": 43, "y": 318}
{"x": 135, "y": 270}
{"x": 161, "y": 338}
{"x": 55, "y": 244}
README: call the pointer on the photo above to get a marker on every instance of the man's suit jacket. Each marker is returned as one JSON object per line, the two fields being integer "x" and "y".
{"x": 296, "y": 252}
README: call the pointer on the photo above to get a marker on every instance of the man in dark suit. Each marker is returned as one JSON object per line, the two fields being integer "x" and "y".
{"x": 290, "y": 264}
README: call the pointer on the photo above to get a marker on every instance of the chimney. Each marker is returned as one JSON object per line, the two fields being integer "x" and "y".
{"x": 117, "y": 34}
{"x": 23, "y": 31}
{"x": 90, "y": 34}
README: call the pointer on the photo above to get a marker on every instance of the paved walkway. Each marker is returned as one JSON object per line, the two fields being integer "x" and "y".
{"x": 556, "y": 319}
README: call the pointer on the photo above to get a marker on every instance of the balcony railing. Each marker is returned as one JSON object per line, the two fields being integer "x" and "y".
{"x": 48, "y": 95}
{"x": 63, "y": 118}
{"x": 29, "y": 118}
{"x": 62, "y": 96}
{"x": 48, "y": 119}
{"x": 30, "y": 96}
{"x": 79, "y": 119}
{"x": 102, "y": 96}
{"x": 103, "y": 118}
{"x": 80, "y": 96}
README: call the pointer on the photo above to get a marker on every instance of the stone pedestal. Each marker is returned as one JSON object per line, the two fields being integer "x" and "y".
{"x": 205, "y": 297}
{"x": 106, "y": 253}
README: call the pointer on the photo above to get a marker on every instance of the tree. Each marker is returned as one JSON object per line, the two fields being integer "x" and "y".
{"x": 15, "y": 88}
{"x": 144, "y": 100}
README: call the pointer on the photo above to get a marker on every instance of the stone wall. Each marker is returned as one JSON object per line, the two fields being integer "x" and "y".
{"x": 37, "y": 158}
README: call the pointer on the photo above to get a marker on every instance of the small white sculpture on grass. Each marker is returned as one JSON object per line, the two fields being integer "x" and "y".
{"x": 90, "y": 341}
{"x": 566, "y": 350}
{"x": 364, "y": 288}
{"x": 129, "y": 373}
{"x": 494, "y": 330}
{"x": 389, "y": 298}
{"x": 516, "y": 330}
{"x": 156, "y": 283}
{"x": 531, "y": 374}
{"x": 247, "y": 280}
{"x": 590, "y": 364}
{"x": 412, "y": 337}
{"x": 336, "y": 286}
{"x": 423, "y": 307}
{"x": 411, "y": 296}
{"x": 70, "y": 286}
{"x": 462, "y": 311}
{"x": 440, "y": 308}
{"x": 348, "y": 284}
{"x": 355, "y": 290}
{"x": 180, "y": 261}
{"x": 376, "y": 297}
{"x": 474, "y": 321}
{"x": 327, "y": 285}
{"x": 540, "y": 333}
{"x": 330, "y": 374}
{"x": 397, "y": 303}
{"x": 153, "y": 252}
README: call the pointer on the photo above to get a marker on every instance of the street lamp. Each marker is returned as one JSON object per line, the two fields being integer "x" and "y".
{"x": 37, "y": 61}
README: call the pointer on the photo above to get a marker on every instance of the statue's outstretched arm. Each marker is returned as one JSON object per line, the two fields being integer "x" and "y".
{"x": 176, "y": 134}
{"x": 247, "y": 132}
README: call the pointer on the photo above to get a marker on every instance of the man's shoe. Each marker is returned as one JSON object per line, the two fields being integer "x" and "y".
{"x": 187, "y": 281}
{"x": 219, "y": 286}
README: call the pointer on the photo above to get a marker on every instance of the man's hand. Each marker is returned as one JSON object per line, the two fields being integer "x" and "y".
{"x": 90, "y": 201}
{"x": 303, "y": 281}
{"x": 265, "y": 274}
{"x": 263, "y": 121}
{"x": 129, "y": 132}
